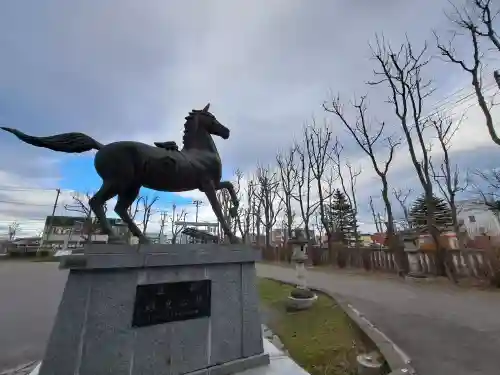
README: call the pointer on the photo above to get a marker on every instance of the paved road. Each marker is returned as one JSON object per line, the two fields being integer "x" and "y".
{"x": 29, "y": 296}
{"x": 443, "y": 330}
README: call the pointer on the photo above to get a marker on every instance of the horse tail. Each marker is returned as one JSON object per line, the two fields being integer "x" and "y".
{"x": 65, "y": 142}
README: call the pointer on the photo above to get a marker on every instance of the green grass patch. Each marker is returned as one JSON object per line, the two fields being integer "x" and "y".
{"x": 323, "y": 340}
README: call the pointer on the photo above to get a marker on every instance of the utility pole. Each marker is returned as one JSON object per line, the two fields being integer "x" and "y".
{"x": 163, "y": 218}
{"x": 197, "y": 203}
{"x": 51, "y": 220}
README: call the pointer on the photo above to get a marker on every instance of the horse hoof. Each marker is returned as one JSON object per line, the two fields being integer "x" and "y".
{"x": 144, "y": 241}
{"x": 234, "y": 240}
{"x": 115, "y": 240}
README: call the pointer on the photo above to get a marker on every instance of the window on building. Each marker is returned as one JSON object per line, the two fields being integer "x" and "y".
{"x": 472, "y": 219}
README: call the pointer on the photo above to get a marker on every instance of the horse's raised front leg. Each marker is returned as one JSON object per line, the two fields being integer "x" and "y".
{"x": 228, "y": 185}
{"x": 209, "y": 190}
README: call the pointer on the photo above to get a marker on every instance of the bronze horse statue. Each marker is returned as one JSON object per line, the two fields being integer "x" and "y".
{"x": 126, "y": 166}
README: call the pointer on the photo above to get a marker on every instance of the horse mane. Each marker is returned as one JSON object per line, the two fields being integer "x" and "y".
{"x": 188, "y": 132}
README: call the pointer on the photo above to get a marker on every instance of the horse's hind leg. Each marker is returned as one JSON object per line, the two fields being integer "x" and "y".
{"x": 107, "y": 191}
{"x": 125, "y": 199}
{"x": 209, "y": 190}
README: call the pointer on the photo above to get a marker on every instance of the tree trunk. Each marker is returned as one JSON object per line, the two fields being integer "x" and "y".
{"x": 289, "y": 226}
{"x": 393, "y": 243}
{"x": 268, "y": 237}
{"x": 456, "y": 226}
{"x": 257, "y": 241}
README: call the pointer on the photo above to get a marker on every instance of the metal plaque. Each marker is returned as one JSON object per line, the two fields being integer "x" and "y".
{"x": 171, "y": 302}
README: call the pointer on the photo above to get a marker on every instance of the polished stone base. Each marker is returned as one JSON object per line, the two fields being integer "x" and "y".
{"x": 94, "y": 332}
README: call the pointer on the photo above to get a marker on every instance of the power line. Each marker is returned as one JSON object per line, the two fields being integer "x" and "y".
{"x": 436, "y": 110}
{"x": 19, "y": 188}
{"x": 26, "y": 203}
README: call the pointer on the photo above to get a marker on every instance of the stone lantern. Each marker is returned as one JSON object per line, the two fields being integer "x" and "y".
{"x": 301, "y": 297}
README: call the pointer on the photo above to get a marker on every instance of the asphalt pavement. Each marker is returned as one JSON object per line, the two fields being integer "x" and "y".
{"x": 29, "y": 296}
{"x": 444, "y": 330}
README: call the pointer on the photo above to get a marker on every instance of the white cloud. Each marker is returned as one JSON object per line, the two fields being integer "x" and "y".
{"x": 134, "y": 71}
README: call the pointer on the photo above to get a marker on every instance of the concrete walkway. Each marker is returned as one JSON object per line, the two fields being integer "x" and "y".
{"x": 444, "y": 330}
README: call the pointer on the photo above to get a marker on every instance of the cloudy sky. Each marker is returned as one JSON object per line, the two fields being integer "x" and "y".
{"x": 128, "y": 70}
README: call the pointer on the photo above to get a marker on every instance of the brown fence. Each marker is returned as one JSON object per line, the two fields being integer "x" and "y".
{"x": 474, "y": 263}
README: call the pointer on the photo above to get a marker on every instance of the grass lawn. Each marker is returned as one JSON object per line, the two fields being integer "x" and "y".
{"x": 322, "y": 340}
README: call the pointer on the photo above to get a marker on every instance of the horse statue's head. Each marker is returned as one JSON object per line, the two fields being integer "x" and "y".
{"x": 199, "y": 120}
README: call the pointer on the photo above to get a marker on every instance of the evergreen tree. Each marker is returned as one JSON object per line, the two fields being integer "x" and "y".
{"x": 341, "y": 218}
{"x": 442, "y": 214}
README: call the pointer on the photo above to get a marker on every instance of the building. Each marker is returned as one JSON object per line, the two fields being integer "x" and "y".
{"x": 194, "y": 235}
{"x": 25, "y": 245}
{"x": 414, "y": 241}
{"x": 200, "y": 231}
{"x": 158, "y": 238}
{"x": 365, "y": 239}
{"x": 61, "y": 232}
{"x": 477, "y": 219}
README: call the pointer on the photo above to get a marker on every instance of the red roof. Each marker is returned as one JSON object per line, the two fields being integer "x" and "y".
{"x": 379, "y": 238}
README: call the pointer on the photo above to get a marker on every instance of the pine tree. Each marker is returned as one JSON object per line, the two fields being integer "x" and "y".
{"x": 442, "y": 214}
{"x": 341, "y": 218}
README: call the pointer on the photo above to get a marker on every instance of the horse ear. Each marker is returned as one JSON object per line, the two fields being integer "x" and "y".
{"x": 206, "y": 108}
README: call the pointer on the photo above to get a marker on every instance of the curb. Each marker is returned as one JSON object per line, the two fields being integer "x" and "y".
{"x": 398, "y": 361}
{"x": 24, "y": 369}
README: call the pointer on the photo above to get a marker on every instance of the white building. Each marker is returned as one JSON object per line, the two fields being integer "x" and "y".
{"x": 477, "y": 218}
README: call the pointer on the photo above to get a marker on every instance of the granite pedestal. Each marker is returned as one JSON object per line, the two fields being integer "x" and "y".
{"x": 109, "y": 322}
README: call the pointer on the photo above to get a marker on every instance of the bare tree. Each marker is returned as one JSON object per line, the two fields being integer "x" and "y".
{"x": 318, "y": 142}
{"x": 302, "y": 194}
{"x": 488, "y": 187}
{"x": 13, "y": 229}
{"x": 237, "y": 225}
{"x": 401, "y": 196}
{"x": 368, "y": 139}
{"x": 487, "y": 17}
{"x": 133, "y": 210}
{"x": 225, "y": 204}
{"x": 318, "y": 227}
{"x": 80, "y": 205}
{"x": 246, "y": 213}
{"x": 175, "y": 218}
{"x": 477, "y": 20}
{"x": 447, "y": 177}
{"x": 267, "y": 193}
{"x": 331, "y": 176}
{"x": 255, "y": 209}
{"x": 401, "y": 71}
{"x": 350, "y": 188}
{"x": 146, "y": 202}
{"x": 374, "y": 215}
{"x": 289, "y": 180}
{"x": 163, "y": 220}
